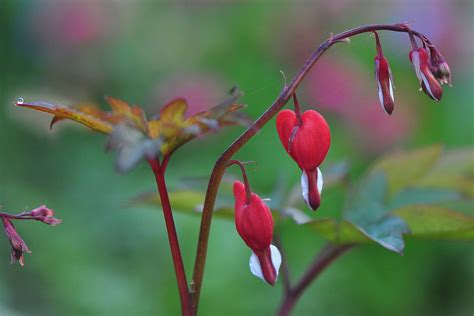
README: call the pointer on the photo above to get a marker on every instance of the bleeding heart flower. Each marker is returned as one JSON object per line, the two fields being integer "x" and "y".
{"x": 254, "y": 223}
{"x": 307, "y": 141}
{"x": 429, "y": 83}
{"x": 383, "y": 75}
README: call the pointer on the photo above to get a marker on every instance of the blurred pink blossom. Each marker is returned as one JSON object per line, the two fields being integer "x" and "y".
{"x": 201, "y": 91}
{"x": 70, "y": 25}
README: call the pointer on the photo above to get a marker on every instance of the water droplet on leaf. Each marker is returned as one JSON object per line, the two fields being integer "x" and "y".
{"x": 20, "y": 100}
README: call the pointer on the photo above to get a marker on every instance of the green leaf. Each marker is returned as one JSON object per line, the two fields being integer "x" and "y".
{"x": 428, "y": 221}
{"x": 342, "y": 232}
{"x": 415, "y": 196}
{"x": 406, "y": 168}
{"x": 367, "y": 210}
{"x": 454, "y": 170}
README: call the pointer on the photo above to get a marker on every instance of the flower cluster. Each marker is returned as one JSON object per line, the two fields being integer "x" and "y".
{"x": 430, "y": 68}
{"x": 18, "y": 245}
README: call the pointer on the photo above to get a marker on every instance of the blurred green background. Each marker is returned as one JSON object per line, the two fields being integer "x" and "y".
{"x": 108, "y": 258}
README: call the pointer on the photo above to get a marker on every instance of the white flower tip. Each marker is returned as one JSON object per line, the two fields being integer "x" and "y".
{"x": 256, "y": 268}
{"x": 304, "y": 187}
{"x": 320, "y": 181}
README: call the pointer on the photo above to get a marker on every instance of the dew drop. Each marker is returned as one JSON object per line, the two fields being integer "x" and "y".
{"x": 20, "y": 101}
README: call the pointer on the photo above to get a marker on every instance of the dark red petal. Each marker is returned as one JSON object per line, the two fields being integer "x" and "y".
{"x": 285, "y": 123}
{"x": 314, "y": 196}
{"x": 266, "y": 264}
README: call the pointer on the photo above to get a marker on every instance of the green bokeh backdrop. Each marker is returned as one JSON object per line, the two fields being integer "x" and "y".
{"x": 108, "y": 258}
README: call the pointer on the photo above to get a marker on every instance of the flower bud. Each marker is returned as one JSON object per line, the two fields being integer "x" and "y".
{"x": 439, "y": 67}
{"x": 429, "y": 83}
{"x": 383, "y": 76}
{"x": 254, "y": 223}
{"x": 42, "y": 211}
{"x": 17, "y": 244}
{"x": 45, "y": 215}
{"x": 307, "y": 143}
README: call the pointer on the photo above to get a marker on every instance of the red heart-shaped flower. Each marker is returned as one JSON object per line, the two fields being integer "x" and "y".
{"x": 308, "y": 143}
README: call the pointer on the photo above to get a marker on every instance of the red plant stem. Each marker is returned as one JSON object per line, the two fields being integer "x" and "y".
{"x": 297, "y": 110}
{"x": 413, "y": 40}
{"x": 377, "y": 44}
{"x": 285, "y": 95}
{"x": 159, "y": 172}
{"x": 324, "y": 258}
{"x": 20, "y": 216}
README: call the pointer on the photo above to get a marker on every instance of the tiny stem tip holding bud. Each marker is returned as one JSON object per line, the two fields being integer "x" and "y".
{"x": 377, "y": 44}
{"x": 248, "y": 192}
{"x": 297, "y": 110}
{"x": 412, "y": 39}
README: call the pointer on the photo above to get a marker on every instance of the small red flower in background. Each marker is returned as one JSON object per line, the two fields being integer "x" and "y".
{"x": 429, "y": 83}
{"x": 383, "y": 75}
{"x": 19, "y": 247}
{"x": 254, "y": 223}
{"x": 16, "y": 242}
{"x": 307, "y": 139}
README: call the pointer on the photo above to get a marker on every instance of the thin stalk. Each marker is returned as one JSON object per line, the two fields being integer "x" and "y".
{"x": 297, "y": 110}
{"x": 324, "y": 258}
{"x": 184, "y": 295}
{"x": 285, "y": 95}
{"x": 377, "y": 44}
{"x": 248, "y": 192}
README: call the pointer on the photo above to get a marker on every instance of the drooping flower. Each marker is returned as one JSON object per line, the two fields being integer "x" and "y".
{"x": 439, "y": 67}
{"x": 307, "y": 142}
{"x": 17, "y": 244}
{"x": 428, "y": 82}
{"x": 254, "y": 223}
{"x": 383, "y": 75}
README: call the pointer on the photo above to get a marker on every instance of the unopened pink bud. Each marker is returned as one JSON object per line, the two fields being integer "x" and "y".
{"x": 439, "y": 66}
{"x": 45, "y": 215}
{"x": 18, "y": 246}
{"x": 383, "y": 76}
{"x": 42, "y": 211}
{"x": 429, "y": 83}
